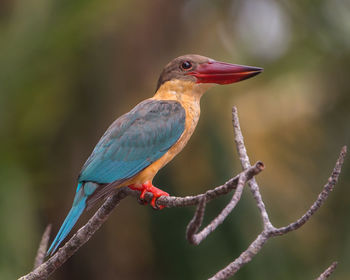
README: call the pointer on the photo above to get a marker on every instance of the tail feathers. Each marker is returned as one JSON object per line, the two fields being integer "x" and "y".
{"x": 78, "y": 207}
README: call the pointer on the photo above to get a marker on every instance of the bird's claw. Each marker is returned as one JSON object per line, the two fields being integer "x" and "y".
{"x": 148, "y": 187}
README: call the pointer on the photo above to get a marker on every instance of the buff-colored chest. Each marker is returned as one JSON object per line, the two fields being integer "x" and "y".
{"x": 188, "y": 95}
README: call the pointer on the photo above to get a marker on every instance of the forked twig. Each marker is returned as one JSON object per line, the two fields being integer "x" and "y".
{"x": 268, "y": 229}
{"x": 192, "y": 228}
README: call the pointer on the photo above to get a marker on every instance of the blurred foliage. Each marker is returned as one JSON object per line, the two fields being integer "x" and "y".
{"x": 69, "y": 68}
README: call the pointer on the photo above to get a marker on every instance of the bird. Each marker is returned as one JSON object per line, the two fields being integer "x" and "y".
{"x": 139, "y": 143}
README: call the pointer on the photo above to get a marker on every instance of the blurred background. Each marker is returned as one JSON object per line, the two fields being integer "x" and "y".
{"x": 69, "y": 68}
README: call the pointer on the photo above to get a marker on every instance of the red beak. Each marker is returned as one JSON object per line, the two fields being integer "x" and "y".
{"x": 223, "y": 73}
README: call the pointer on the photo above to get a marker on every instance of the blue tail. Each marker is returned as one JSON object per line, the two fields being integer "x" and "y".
{"x": 79, "y": 204}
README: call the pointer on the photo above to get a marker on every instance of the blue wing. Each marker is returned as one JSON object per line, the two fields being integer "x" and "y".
{"x": 134, "y": 141}
{"x": 130, "y": 144}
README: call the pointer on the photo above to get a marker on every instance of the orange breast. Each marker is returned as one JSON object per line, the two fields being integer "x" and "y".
{"x": 190, "y": 102}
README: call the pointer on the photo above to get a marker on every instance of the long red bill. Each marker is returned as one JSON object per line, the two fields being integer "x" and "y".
{"x": 223, "y": 73}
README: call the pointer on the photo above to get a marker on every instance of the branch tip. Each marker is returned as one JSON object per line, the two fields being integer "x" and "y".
{"x": 260, "y": 165}
{"x": 41, "y": 253}
{"x": 328, "y": 271}
{"x": 345, "y": 149}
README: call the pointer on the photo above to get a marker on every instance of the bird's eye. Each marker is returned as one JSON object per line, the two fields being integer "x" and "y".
{"x": 186, "y": 65}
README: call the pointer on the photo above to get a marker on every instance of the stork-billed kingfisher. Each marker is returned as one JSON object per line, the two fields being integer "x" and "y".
{"x": 142, "y": 141}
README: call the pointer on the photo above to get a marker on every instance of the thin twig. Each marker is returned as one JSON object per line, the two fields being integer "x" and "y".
{"x": 328, "y": 271}
{"x": 199, "y": 237}
{"x": 328, "y": 187}
{"x": 245, "y": 257}
{"x": 245, "y": 162}
{"x": 193, "y": 226}
{"x": 41, "y": 253}
{"x": 78, "y": 239}
{"x": 175, "y": 201}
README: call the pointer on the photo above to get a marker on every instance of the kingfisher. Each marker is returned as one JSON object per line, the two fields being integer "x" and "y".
{"x": 139, "y": 143}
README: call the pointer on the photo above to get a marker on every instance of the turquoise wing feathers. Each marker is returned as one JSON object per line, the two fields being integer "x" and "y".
{"x": 134, "y": 141}
{"x": 130, "y": 144}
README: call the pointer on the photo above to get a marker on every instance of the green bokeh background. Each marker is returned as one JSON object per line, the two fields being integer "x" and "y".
{"x": 69, "y": 68}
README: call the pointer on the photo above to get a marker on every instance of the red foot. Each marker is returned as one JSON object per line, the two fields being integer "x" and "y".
{"x": 148, "y": 187}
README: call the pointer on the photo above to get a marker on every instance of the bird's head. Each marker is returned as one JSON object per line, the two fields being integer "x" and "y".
{"x": 202, "y": 71}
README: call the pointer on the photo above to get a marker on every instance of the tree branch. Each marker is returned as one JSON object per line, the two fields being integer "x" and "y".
{"x": 245, "y": 162}
{"x": 268, "y": 229}
{"x": 41, "y": 253}
{"x": 328, "y": 187}
{"x": 328, "y": 271}
{"x": 44, "y": 270}
{"x": 193, "y": 226}
{"x": 84, "y": 233}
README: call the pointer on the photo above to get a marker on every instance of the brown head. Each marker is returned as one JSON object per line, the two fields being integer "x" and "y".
{"x": 203, "y": 70}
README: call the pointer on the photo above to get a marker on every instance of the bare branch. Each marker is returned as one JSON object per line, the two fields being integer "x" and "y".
{"x": 244, "y": 158}
{"x": 328, "y": 271}
{"x": 192, "y": 228}
{"x": 244, "y": 258}
{"x": 329, "y": 186}
{"x": 236, "y": 183}
{"x": 198, "y": 238}
{"x": 267, "y": 233}
{"x": 174, "y": 201}
{"x": 78, "y": 239}
{"x": 196, "y": 222}
{"x": 41, "y": 253}
{"x": 84, "y": 234}
{"x": 269, "y": 230}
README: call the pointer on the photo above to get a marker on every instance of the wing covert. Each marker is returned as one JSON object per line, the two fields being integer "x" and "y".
{"x": 134, "y": 141}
